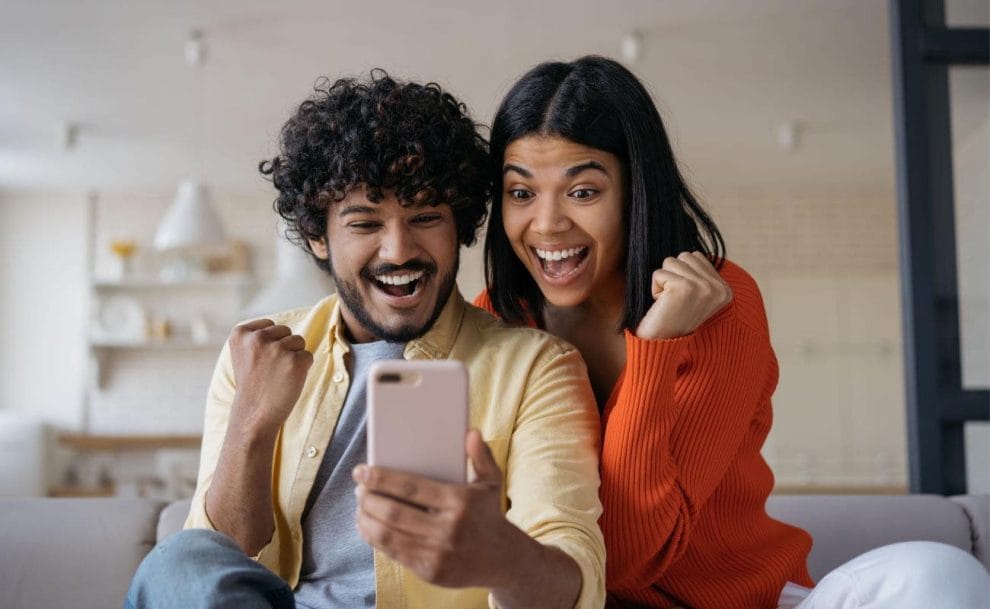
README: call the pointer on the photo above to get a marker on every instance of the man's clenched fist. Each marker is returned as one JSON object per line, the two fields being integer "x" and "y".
{"x": 270, "y": 365}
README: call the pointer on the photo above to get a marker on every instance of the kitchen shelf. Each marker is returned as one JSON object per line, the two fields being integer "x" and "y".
{"x": 96, "y": 442}
{"x": 214, "y": 344}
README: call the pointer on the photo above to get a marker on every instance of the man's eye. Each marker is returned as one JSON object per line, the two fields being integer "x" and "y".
{"x": 427, "y": 219}
{"x": 362, "y": 226}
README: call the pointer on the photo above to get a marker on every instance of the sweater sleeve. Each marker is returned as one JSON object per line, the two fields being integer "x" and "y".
{"x": 681, "y": 413}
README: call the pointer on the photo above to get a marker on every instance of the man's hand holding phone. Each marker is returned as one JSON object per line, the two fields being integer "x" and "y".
{"x": 448, "y": 534}
{"x": 448, "y": 530}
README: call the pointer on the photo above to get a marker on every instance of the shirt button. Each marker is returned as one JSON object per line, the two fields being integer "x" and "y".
{"x": 338, "y": 377}
{"x": 312, "y": 452}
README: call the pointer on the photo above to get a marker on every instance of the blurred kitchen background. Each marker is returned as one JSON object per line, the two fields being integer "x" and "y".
{"x": 135, "y": 228}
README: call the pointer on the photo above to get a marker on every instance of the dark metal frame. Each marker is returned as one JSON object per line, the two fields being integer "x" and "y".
{"x": 938, "y": 406}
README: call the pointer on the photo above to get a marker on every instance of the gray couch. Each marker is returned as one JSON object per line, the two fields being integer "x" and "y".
{"x": 81, "y": 553}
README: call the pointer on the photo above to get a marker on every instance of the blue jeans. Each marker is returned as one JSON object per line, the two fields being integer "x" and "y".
{"x": 200, "y": 569}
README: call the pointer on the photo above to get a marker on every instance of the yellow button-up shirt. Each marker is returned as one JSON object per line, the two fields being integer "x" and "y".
{"x": 530, "y": 398}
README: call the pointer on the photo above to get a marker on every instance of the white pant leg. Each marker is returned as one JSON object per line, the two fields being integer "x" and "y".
{"x": 909, "y": 575}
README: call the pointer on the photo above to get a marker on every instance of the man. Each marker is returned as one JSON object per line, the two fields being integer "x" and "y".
{"x": 383, "y": 181}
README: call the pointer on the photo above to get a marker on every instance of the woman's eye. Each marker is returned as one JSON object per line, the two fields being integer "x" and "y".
{"x": 520, "y": 194}
{"x": 584, "y": 193}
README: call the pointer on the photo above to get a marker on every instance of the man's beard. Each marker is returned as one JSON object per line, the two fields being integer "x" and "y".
{"x": 352, "y": 300}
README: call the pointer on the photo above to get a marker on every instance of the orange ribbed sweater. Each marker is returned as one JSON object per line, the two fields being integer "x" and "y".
{"x": 684, "y": 486}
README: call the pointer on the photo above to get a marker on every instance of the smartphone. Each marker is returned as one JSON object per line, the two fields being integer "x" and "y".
{"x": 418, "y": 417}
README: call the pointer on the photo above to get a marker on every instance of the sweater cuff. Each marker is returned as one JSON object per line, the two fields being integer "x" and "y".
{"x": 651, "y": 368}
{"x": 650, "y": 359}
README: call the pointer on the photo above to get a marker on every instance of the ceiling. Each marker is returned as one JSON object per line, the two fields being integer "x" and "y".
{"x": 726, "y": 74}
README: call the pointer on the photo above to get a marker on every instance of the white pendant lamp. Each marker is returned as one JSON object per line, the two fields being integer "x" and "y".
{"x": 191, "y": 221}
{"x": 189, "y": 229}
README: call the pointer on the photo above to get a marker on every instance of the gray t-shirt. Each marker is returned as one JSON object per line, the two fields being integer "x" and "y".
{"x": 338, "y": 567}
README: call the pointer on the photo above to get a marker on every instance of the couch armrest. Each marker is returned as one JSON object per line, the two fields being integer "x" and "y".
{"x": 977, "y": 509}
{"x": 172, "y": 518}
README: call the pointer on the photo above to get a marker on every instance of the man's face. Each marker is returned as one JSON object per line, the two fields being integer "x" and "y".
{"x": 394, "y": 266}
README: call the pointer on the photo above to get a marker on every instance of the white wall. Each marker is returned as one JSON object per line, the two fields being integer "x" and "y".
{"x": 826, "y": 263}
{"x": 972, "y": 190}
{"x": 42, "y": 305}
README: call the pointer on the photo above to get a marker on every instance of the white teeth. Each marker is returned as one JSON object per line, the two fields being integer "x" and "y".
{"x": 399, "y": 279}
{"x": 559, "y": 254}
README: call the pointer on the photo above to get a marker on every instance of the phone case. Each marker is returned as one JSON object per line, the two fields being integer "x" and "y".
{"x": 417, "y": 417}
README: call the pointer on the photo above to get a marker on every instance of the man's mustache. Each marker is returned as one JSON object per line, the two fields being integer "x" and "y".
{"x": 412, "y": 265}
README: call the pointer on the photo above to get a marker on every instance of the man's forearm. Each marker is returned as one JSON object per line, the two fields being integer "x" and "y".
{"x": 540, "y": 576}
{"x": 239, "y": 500}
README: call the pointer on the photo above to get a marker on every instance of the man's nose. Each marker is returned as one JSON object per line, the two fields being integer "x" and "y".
{"x": 398, "y": 245}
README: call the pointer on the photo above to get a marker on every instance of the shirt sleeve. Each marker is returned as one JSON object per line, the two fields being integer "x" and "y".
{"x": 552, "y": 468}
{"x": 219, "y": 398}
{"x": 681, "y": 414}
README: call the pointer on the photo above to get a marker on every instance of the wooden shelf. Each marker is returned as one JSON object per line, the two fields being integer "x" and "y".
{"x": 214, "y": 344}
{"x": 124, "y": 442}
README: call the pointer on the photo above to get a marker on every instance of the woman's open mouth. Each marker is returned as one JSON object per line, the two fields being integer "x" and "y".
{"x": 561, "y": 263}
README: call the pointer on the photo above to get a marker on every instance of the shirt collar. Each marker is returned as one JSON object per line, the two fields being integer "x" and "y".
{"x": 435, "y": 344}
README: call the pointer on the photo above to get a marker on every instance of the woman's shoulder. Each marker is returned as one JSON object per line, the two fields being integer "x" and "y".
{"x": 747, "y": 300}
{"x": 484, "y": 301}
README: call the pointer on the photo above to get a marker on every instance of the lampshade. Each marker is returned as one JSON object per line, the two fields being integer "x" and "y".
{"x": 298, "y": 282}
{"x": 190, "y": 221}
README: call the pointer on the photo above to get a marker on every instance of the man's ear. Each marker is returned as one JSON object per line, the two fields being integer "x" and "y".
{"x": 319, "y": 247}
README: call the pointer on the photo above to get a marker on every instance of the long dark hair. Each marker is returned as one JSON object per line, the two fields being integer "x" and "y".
{"x": 598, "y": 103}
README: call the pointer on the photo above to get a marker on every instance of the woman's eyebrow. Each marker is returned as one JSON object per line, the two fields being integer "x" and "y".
{"x": 573, "y": 171}
{"x": 510, "y": 167}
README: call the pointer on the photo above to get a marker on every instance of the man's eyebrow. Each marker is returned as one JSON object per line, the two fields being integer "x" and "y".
{"x": 510, "y": 167}
{"x": 573, "y": 171}
{"x": 355, "y": 209}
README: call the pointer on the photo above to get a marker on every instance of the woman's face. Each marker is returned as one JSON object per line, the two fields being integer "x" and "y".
{"x": 562, "y": 211}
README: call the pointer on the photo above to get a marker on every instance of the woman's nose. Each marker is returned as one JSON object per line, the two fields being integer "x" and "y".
{"x": 550, "y": 218}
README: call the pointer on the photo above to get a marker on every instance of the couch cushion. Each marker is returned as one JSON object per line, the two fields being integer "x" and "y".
{"x": 78, "y": 553}
{"x": 844, "y": 527}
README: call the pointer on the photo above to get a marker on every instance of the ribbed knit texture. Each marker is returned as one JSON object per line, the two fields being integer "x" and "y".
{"x": 684, "y": 486}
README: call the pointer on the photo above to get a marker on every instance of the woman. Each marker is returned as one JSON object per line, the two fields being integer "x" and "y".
{"x": 594, "y": 236}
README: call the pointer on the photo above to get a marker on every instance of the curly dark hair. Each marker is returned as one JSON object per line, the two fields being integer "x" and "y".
{"x": 411, "y": 140}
